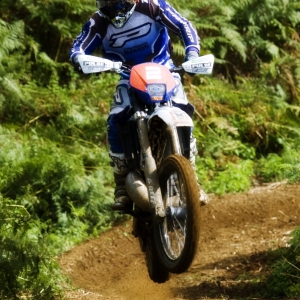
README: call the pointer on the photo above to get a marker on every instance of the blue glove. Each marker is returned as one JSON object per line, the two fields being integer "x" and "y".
{"x": 189, "y": 56}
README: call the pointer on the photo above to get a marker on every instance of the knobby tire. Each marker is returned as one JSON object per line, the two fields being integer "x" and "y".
{"x": 176, "y": 238}
{"x": 156, "y": 270}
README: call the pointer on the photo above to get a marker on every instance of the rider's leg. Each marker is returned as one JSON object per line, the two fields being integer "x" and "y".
{"x": 180, "y": 100}
{"x": 204, "y": 199}
{"x": 119, "y": 164}
{"x": 117, "y": 157}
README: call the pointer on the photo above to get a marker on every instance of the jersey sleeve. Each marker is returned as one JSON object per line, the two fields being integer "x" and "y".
{"x": 175, "y": 22}
{"x": 89, "y": 38}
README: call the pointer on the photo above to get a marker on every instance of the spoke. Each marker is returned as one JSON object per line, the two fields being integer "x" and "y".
{"x": 179, "y": 224}
{"x": 177, "y": 236}
{"x": 168, "y": 240}
{"x": 180, "y": 237}
{"x": 173, "y": 230}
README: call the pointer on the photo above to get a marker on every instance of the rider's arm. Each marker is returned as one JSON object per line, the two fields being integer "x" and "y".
{"x": 174, "y": 21}
{"x": 88, "y": 40}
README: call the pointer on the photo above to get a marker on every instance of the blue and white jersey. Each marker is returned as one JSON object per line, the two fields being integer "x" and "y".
{"x": 144, "y": 38}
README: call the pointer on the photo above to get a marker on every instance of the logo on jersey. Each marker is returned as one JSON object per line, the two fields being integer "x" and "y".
{"x": 136, "y": 48}
{"x": 185, "y": 24}
{"x": 119, "y": 40}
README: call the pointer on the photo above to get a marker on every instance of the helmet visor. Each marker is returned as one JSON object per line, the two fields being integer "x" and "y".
{"x": 114, "y": 4}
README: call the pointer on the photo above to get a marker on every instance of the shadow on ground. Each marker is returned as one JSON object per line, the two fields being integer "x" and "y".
{"x": 246, "y": 278}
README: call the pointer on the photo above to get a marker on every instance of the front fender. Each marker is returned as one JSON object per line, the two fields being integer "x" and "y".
{"x": 172, "y": 116}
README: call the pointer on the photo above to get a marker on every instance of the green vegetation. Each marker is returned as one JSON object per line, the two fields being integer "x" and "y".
{"x": 55, "y": 180}
{"x": 285, "y": 273}
{"x": 27, "y": 264}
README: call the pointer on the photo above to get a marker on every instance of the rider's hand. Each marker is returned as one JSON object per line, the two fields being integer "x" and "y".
{"x": 189, "y": 56}
{"x": 76, "y": 64}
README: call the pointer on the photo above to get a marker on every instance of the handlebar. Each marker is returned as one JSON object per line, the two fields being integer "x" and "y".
{"x": 125, "y": 70}
{"x": 93, "y": 64}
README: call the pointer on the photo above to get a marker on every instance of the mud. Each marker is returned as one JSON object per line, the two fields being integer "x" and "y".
{"x": 237, "y": 231}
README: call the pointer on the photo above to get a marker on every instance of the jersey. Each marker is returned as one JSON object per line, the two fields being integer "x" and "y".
{"x": 144, "y": 37}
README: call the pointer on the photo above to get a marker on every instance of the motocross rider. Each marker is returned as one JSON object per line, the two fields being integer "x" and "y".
{"x": 135, "y": 31}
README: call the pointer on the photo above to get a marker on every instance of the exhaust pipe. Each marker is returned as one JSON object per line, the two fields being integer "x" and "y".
{"x": 137, "y": 190}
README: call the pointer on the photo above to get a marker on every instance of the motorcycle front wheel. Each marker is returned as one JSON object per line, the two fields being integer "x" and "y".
{"x": 176, "y": 237}
{"x": 156, "y": 270}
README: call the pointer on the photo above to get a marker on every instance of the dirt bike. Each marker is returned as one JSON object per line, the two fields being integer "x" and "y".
{"x": 162, "y": 183}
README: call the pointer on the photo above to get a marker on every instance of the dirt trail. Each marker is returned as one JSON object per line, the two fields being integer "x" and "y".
{"x": 236, "y": 232}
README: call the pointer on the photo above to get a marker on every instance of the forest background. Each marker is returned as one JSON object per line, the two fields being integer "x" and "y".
{"x": 56, "y": 185}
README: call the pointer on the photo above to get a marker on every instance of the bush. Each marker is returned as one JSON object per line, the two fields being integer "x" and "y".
{"x": 28, "y": 267}
{"x": 279, "y": 167}
{"x": 284, "y": 280}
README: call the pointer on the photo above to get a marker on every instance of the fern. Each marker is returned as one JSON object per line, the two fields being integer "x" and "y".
{"x": 212, "y": 21}
{"x": 25, "y": 262}
{"x": 283, "y": 281}
{"x": 11, "y": 39}
{"x": 53, "y": 143}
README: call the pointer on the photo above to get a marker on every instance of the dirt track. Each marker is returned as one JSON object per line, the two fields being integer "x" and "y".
{"x": 236, "y": 232}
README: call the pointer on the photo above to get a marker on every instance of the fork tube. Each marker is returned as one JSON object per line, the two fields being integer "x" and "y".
{"x": 150, "y": 169}
{"x": 175, "y": 144}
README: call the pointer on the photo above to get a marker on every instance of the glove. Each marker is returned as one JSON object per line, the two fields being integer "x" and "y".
{"x": 76, "y": 64}
{"x": 189, "y": 56}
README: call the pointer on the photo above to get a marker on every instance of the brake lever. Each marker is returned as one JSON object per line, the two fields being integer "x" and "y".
{"x": 179, "y": 69}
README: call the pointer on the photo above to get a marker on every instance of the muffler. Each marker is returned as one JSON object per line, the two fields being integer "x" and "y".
{"x": 137, "y": 190}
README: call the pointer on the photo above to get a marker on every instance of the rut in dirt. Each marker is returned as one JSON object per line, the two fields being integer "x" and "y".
{"x": 236, "y": 233}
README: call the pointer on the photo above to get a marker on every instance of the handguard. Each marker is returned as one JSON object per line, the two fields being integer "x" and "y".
{"x": 200, "y": 65}
{"x": 94, "y": 64}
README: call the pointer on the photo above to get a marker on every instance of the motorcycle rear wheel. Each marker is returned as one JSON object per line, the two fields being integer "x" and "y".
{"x": 177, "y": 237}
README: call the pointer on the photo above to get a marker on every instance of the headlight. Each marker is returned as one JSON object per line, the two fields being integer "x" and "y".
{"x": 156, "y": 91}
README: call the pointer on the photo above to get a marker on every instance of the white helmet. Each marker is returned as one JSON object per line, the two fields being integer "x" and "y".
{"x": 116, "y": 11}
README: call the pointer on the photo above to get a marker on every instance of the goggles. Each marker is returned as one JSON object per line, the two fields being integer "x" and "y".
{"x": 114, "y": 4}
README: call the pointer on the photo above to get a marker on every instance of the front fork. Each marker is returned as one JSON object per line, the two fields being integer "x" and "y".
{"x": 150, "y": 168}
{"x": 175, "y": 144}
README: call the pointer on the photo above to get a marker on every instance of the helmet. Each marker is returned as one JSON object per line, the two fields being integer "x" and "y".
{"x": 116, "y": 11}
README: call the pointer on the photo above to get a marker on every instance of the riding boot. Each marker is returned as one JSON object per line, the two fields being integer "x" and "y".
{"x": 120, "y": 167}
{"x": 203, "y": 197}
